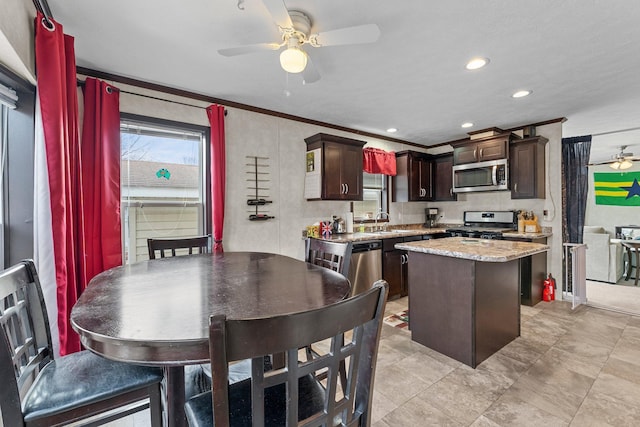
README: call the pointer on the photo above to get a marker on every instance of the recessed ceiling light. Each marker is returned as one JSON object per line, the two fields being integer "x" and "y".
{"x": 476, "y": 63}
{"x": 521, "y": 93}
{"x": 467, "y": 125}
{"x": 392, "y": 130}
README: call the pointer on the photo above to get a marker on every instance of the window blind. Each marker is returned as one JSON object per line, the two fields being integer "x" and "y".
{"x": 8, "y": 97}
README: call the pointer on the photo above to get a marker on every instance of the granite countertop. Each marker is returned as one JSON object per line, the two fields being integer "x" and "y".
{"x": 528, "y": 235}
{"x": 486, "y": 250}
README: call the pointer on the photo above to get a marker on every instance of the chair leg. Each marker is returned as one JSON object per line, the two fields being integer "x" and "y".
{"x": 155, "y": 405}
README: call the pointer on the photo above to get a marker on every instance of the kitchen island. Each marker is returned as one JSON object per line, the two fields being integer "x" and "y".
{"x": 464, "y": 294}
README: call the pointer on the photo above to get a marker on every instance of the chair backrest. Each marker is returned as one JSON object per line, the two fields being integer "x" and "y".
{"x": 360, "y": 318}
{"x": 333, "y": 255}
{"x": 169, "y": 246}
{"x": 25, "y": 339}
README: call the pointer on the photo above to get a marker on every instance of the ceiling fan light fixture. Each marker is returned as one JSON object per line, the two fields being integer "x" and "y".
{"x": 293, "y": 59}
{"x": 626, "y": 164}
{"x": 521, "y": 94}
{"x": 615, "y": 165}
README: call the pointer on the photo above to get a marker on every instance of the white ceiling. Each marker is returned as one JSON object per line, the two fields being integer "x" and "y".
{"x": 579, "y": 57}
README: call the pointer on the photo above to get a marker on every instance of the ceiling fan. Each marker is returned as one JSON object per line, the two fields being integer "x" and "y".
{"x": 620, "y": 160}
{"x": 295, "y": 30}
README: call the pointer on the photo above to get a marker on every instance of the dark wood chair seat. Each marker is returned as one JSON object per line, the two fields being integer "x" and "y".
{"x": 293, "y": 395}
{"x": 65, "y": 389}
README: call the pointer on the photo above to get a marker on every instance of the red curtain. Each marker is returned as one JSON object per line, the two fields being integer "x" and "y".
{"x": 101, "y": 180}
{"x": 58, "y": 102}
{"x": 375, "y": 160}
{"x": 215, "y": 113}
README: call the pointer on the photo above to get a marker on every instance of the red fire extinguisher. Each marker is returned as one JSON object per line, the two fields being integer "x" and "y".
{"x": 549, "y": 290}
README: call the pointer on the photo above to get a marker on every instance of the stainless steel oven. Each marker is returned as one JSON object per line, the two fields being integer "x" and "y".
{"x": 481, "y": 176}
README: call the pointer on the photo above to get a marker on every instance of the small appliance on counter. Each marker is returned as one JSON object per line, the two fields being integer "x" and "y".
{"x": 486, "y": 224}
{"x": 339, "y": 226}
{"x": 431, "y": 217}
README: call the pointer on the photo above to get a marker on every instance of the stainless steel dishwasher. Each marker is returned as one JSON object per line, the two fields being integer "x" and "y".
{"x": 366, "y": 265}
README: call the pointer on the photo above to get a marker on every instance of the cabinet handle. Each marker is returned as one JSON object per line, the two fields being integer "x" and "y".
{"x": 475, "y": 154}
{"x": 346, "y": 189}
{"x": 515, "y": 187}
{"x": 451, "y": 191}
{"x": 481, "y": 152}
{"x": 342, "y": 188}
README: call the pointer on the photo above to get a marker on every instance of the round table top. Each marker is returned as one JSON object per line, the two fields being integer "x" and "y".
{"x": 157, "y": 312}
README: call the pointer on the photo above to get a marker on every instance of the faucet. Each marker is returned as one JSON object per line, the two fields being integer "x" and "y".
{"x": 379, "y": 215}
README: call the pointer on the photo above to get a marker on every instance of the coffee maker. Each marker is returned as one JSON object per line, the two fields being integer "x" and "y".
{"x": 431, "y": 215}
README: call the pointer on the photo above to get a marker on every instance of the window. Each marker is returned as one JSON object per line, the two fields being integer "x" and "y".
{"x": 374, "y": 197}
{"x": 163, "y": 183}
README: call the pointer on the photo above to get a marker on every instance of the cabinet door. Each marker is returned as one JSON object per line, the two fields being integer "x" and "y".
{"x": 493, "y": 149}
{"x": 523, "y": 171}
{"x": 351, "y": 172}
{"x": 443, "y": 179}
{"x": 465, "y": 154}
{"x": 420, "y": 188}
{"x": 333, "y": 187}
{"x": 392, "y": 266}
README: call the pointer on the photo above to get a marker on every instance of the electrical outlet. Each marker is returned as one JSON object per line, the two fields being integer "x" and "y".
{"x": 545, "y": 214}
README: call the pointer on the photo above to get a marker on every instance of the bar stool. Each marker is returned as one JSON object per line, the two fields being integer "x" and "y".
{"x": 632, "y": 247}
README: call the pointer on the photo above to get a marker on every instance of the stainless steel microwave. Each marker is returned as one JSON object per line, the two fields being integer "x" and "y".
{"x": 481, "y": 176}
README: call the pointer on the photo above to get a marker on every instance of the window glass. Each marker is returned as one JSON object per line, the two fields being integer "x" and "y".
{"x": 374, "y": 197}
{"x": 162, "y": 184}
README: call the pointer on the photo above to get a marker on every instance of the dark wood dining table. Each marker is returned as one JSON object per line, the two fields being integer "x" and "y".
{"x": 156, "y": 313}
{"x": 633, "y": 248}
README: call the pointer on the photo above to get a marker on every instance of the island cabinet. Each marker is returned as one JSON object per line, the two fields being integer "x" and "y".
{"x": 334, "y": 168}
{"x": 443, "y": 178}
{"x": 464, "y": 294}
{"x": 481, "y": 150}
{"x": 414, "y": 177}
{"x": 527, "y": 168}
{"x": 394, "y": 266}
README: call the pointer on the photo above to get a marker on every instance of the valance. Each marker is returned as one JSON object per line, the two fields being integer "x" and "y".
{"x": 376, "y": 160}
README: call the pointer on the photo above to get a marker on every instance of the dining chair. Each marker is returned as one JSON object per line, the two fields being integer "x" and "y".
{"x": 292, "y": 396}
{"x": 200, "y": 244}
{"x": 333, "y": 255}
{"x": 40, "y": 390}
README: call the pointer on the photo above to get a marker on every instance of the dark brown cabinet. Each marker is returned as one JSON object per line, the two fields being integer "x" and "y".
{"x": 443, "y": 178}
{"x": 490, "y": 148}
{"x": 395, "y": 265}
{"x": 414, "y": 177}
{"x": 340, "y": 166}
{"x": 527, "y": 168}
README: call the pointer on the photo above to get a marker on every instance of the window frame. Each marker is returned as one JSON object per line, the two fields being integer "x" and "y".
{"x": 205, "y": 131}
{"x": 384, "y": 203}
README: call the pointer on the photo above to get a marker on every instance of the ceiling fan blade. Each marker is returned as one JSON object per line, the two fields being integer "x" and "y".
{"x": 279, "y": 12}
{"x": 251, "y": 48}
{"x": 368, "y": 33}
{"x": 310, "y": 73}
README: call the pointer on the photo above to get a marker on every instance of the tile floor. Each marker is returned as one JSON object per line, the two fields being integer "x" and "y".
{"x": 579, "y": 368}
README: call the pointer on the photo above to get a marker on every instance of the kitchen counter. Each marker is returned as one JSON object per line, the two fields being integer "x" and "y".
{"x": 485, "y": 250}
{"x": 532, "y": 236}
{"x": 377, "y": 235}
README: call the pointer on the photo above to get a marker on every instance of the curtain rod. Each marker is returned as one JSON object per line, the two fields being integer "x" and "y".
{"x": 42, "y": 6}
{"x": 81, "y": 84}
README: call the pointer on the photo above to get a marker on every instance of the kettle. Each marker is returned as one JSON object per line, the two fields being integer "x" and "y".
{"x": 339, "y": 225}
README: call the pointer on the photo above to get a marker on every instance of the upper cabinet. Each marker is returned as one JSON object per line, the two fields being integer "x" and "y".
{"x": 334, "y": 168}
{"x": 480, "y": 150}
{"x": 443, "y": 178}
{"x": 414, "y": 177}
{"x": 527, "y": 168}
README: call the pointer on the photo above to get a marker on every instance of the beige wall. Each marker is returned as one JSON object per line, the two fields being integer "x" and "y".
{"x": 16, "y": 37}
